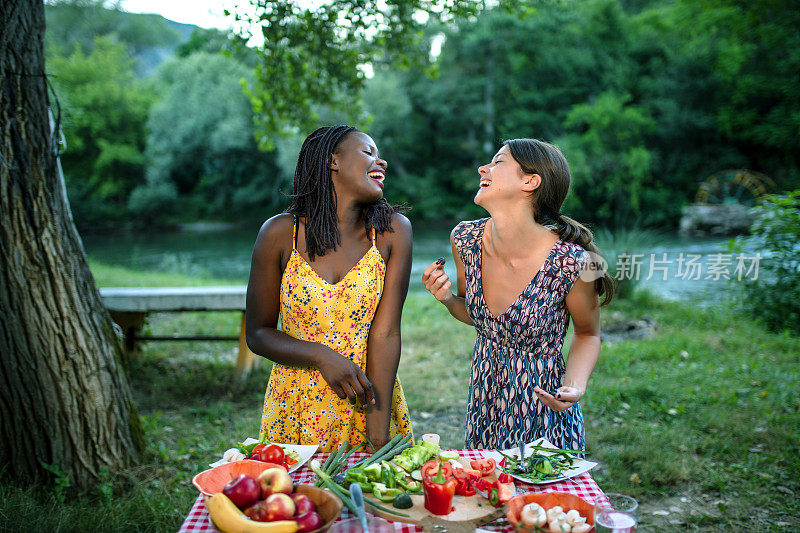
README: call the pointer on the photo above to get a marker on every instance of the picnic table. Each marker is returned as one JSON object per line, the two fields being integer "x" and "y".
{"x": 582, "y": 485}
{"x": 129, "y": 306}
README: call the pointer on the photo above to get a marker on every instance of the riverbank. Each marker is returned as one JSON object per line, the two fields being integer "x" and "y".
{"x": 699, "y": 421}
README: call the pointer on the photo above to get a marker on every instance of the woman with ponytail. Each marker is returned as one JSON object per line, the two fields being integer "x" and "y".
{"x": 522, "y": 275}
{"x": 335, "y": 269}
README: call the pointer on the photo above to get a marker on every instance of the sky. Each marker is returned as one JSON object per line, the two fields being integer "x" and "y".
{"x": 203, "y": 13}
{"x": 209, "y": 14}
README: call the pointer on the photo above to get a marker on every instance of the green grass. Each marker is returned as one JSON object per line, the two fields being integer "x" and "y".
{"x": 704, "y": 416}
{"x": 106, "y": 275}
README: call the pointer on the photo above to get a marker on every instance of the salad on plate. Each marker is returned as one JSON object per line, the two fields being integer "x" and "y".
{"x": 290, "y": 456}
{"x": 540, "y": 462}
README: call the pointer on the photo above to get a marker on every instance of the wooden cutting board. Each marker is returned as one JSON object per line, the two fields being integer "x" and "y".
{"x": 468, "y": 511}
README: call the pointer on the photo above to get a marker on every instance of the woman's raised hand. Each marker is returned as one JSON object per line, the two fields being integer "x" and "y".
{"x": 345, "y": 378}
{"x": 437, "y": 282}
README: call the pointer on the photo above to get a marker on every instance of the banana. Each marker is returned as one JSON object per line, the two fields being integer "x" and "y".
{"x": 229, "y": 519}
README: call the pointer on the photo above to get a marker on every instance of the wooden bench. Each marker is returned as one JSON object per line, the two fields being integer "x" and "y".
{"x": 130, "y": 305}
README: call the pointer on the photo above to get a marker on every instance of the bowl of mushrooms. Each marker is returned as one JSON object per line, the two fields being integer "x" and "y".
{"x": 559, "y": 512}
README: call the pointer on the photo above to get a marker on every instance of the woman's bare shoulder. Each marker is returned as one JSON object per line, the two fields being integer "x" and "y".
{"x": 276, "y": 233}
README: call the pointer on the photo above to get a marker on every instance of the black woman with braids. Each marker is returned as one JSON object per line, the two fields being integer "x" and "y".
{"x": 335, "y": 268}
{"x": 522, "y": 275}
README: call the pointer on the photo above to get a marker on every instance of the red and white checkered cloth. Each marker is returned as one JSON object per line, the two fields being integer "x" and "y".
{"x": 582, "y": 485}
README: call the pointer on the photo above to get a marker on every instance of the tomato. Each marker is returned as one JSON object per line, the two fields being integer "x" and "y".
{"x": 464, "y": 487}
{"x": 290, "y": 460}
{"x": 272, "y": 454}
{"x": 505, "y": 478}
{"x": 466, "y": 473}
{"x": 486, "y": 466}
{"x": 256, "y": 449}
{"x": 460, "y": 474}
{"x": 482, "y": 485}
{"x": 431, "y": 468}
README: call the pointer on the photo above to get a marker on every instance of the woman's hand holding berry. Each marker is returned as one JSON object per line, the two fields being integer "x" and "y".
{"x": 437, "y": 282}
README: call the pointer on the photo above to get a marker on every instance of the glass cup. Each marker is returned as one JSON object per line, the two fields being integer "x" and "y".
{"x": 615, "y": 513}
{"x": 353, "y": 525}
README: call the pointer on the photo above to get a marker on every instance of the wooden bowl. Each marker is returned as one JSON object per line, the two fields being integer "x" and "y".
{"x": 213, "y": 480}
{"x": 329, "y": 506}
{"x": 548, "y": 500}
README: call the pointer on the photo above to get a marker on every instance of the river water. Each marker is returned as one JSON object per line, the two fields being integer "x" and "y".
{"x": 672, "y": 267}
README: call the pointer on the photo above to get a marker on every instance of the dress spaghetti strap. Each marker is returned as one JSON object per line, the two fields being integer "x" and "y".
{"x": 294, "y": 232}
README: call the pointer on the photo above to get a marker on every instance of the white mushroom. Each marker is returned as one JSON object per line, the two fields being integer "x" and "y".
{"x": 553, "y": 512}
{"x": 572, "y": 516}
{"x": 560, "y": 526}
{"x": 581, "y": 528}
{"x": 230, "y": 453}
{"x": 533, "y": 515}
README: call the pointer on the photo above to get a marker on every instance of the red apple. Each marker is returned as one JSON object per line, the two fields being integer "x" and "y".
{"x": 279, "y": 507}
{"x": 258, "y": 511}
{"x": 243, "y": 491}
{"x": 275, "y": 480}
{"x": 302, "y": 504}
{"x": 308, "y": 522}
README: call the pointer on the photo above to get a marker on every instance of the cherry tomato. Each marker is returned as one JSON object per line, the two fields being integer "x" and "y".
{"x": 256, "y": 449}
{"x": 486, "y": 466}
{"x": 431, "y": 468}
{"x": 272, "y": 454}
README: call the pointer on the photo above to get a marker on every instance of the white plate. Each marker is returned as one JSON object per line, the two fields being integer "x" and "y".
{"x": 305, "y": 451}
{"x": 579, "y": 466}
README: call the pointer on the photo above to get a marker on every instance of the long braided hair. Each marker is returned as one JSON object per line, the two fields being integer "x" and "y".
{"x": 538, "y": 157}
{"x": 314, "y": 197}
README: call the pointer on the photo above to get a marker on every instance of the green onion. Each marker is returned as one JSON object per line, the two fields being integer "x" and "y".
{"x": 367, "y": 439}
{"x": 387, "y": 450}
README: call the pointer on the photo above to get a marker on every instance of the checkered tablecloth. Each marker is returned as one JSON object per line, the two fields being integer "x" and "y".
{"x": 582, "y": 485}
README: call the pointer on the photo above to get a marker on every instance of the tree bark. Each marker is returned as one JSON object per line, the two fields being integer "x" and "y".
{"x": 64, "y": 396}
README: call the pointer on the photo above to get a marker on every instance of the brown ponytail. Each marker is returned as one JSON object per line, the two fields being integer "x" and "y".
{"x": 538, "y": 157}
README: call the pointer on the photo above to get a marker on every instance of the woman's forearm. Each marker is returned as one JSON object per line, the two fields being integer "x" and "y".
{"x": 458, "y": 308}
{"x": 581, "y": 360}
{"x": 281, "y": 348}
{"x": 383, "y": 360}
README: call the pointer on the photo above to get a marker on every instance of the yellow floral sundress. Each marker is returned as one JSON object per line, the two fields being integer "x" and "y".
{"x": 299, "y": 406}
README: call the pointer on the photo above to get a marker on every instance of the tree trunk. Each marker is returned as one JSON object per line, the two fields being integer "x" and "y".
{"x": 64, "y": 396}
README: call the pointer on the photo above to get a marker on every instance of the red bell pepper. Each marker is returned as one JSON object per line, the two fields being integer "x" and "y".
{"x": 439, "y": 493}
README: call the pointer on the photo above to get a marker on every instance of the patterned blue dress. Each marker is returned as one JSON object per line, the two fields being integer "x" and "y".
{"x": 519, "y": 349}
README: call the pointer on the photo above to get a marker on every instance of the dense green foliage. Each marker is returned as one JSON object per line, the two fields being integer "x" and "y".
{"x": 104, "y": 108}
{"x": 639, "y": 99}
{"x": 774, "y": 294}
{"x": 203, "y": 159}
{"x": 646, "y": 99}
